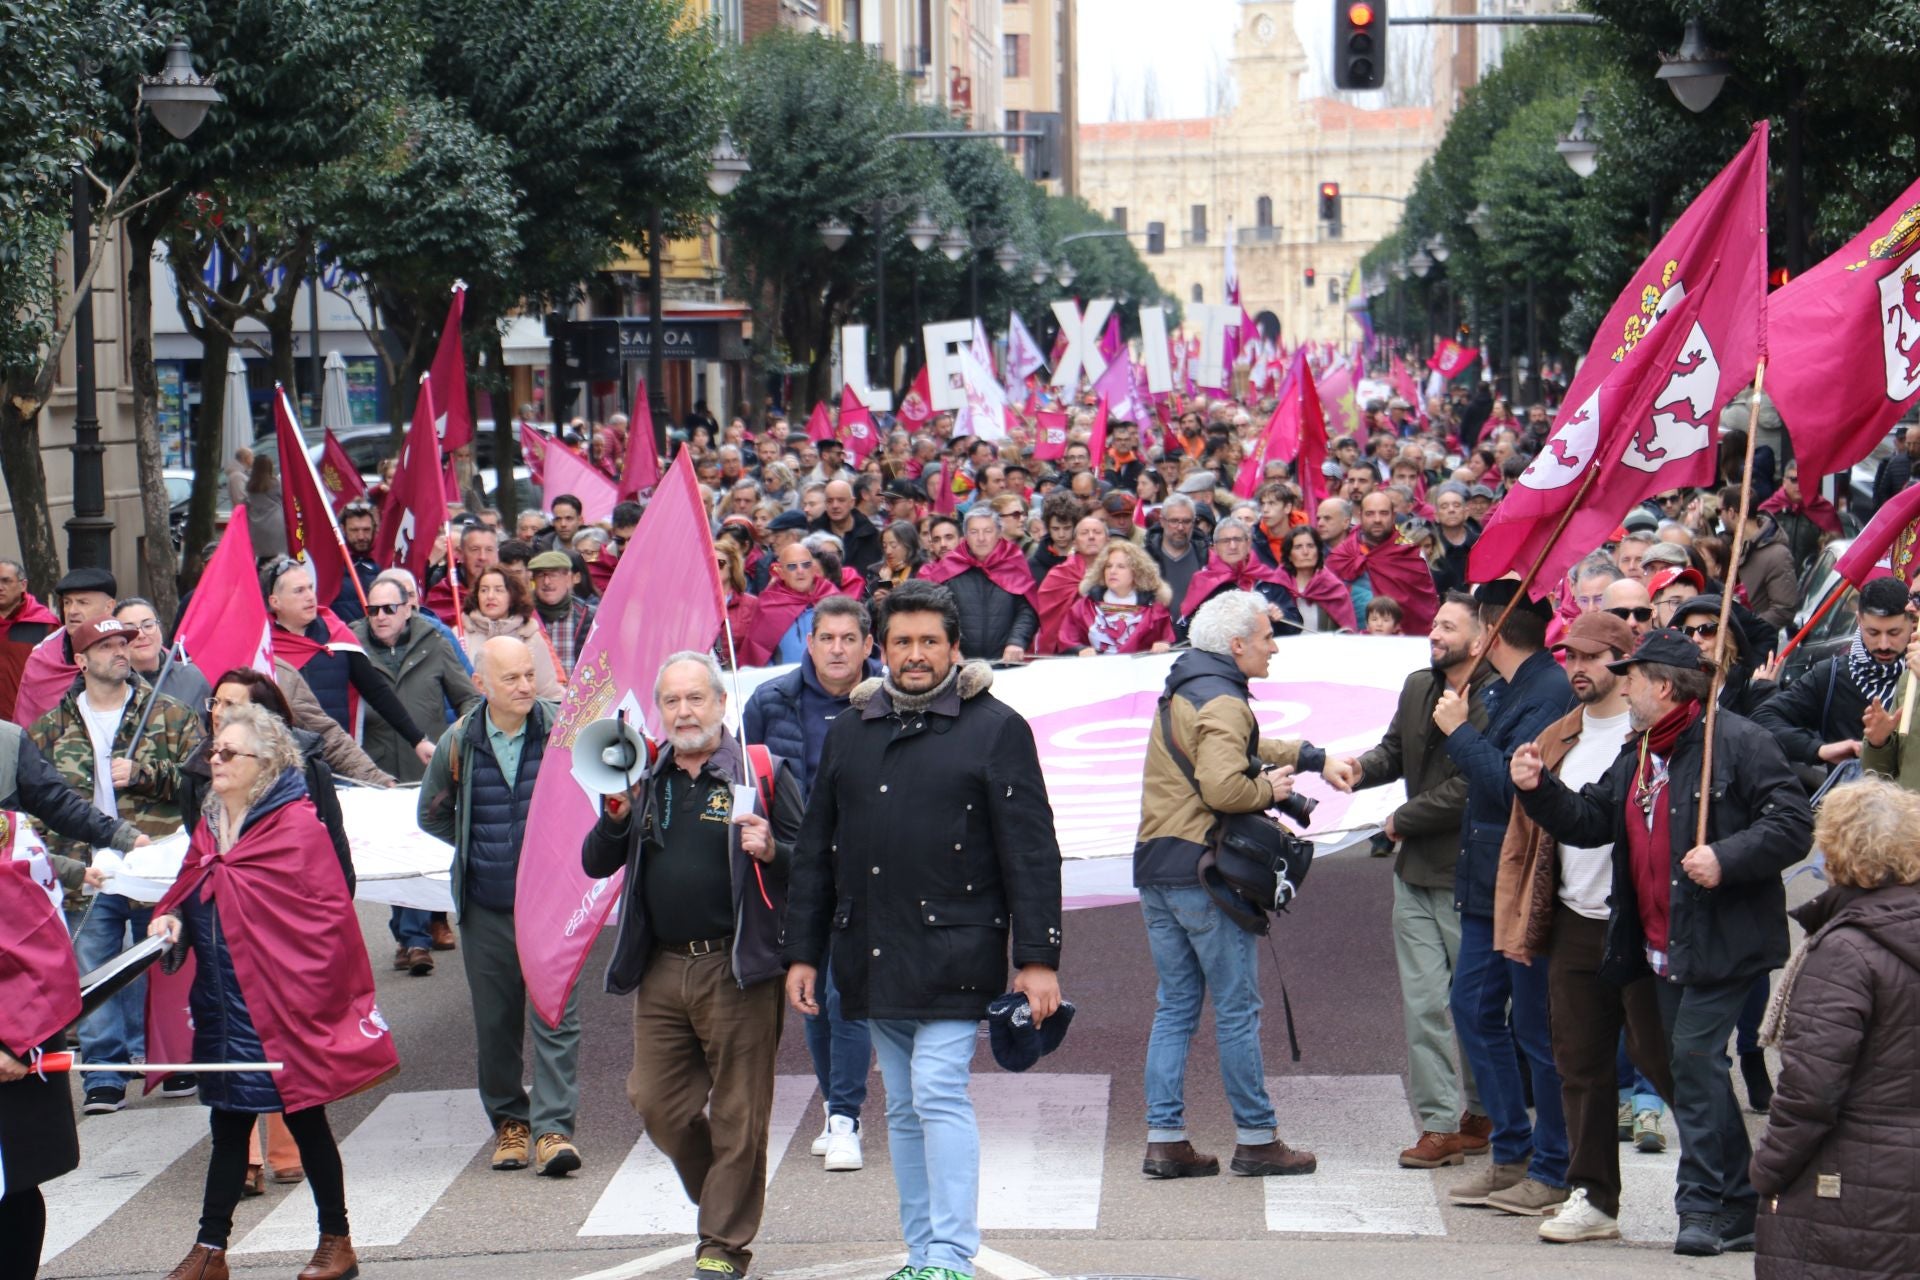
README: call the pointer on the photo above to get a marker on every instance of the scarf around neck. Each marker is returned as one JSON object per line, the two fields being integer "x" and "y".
{"x": 1874, "y": 679}
{"x": 902, "y": 701}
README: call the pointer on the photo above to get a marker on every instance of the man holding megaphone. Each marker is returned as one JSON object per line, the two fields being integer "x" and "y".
{"x": 706, "y": 846}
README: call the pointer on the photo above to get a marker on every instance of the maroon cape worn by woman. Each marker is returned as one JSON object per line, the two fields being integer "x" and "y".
{"x": 1135, "y": 632}
{"x": 1326, "y": 590}
{"x": 45, "y": 678}
{"x": 39, "y": 996}
{"x": 1397, "y": 570}
{"x": 1219, "y": 573}
{"x": 780, "y": 604}
{"x": 297, "y": 953}
{"x": 742, "y": 609}
{"x": 1055, "y": 599}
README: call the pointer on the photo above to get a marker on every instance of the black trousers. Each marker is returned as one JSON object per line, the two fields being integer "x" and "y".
{"x": 23, "y": 1229}
{"x": 227, "y": 1170}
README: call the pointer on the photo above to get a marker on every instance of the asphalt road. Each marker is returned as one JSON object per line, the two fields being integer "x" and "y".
{"x": 1061, "y": 1189}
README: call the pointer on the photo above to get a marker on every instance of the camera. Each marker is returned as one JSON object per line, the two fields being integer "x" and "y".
{"x": 1299, "y": 808}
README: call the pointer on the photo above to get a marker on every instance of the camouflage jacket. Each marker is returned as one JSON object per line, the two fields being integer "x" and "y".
{"x": 149, "y": 802}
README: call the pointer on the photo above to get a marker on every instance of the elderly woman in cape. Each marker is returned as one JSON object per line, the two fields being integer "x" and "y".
{"x": 1234, "y": 567}
{"x": 279, "y": 974}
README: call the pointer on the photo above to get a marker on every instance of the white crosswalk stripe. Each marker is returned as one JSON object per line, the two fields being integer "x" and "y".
{"x": 1359, "y": 1186}
{"x": 1042, "y": 1144}
{"x": 118, "y": 1157}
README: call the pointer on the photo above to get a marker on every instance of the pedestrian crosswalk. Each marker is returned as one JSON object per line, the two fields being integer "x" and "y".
{"x": 1050, "y": 1157}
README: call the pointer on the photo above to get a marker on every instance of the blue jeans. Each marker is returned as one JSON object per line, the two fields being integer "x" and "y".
{"x": 1483, "y": 983}
{"x": 933, "y": 1139}
{"x": 117, "y": 1030}
{"x": 409, "y": 927}
{"x": 842, "y": 1050}
{"x": 1635, "y": 1089}
{"x": 1197, "y": 949}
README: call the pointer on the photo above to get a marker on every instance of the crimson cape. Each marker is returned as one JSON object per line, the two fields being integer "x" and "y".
{"x": 1397, "y": 570}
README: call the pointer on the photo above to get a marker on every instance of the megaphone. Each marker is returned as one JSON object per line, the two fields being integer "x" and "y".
{"x": 611, "y": 756}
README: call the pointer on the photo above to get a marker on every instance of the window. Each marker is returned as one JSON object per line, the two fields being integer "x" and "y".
{"x": 1263, "y": 211}
{"x": 1016, "y": 53}
{"x": 1156, "y": 238}
{"x": 1120, "y": 217}
{"x": 1198, "y": 234}
{"x": 1199, "y": 294}
{"x": 1015, "y": 146}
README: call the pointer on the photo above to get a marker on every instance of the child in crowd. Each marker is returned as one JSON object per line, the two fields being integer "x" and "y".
{"x": 1383, "y": 616}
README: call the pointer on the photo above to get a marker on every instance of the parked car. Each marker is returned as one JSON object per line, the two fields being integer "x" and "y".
{"x": 1833, "y": 633}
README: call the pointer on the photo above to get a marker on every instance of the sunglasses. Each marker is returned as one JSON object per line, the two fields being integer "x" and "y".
{"x": 1708, "y": 629}
{"x": 383, "y": 610}
{"x": 1633, "y": 615}
{"x": 226, "y": 755}
{"x": 795, "y": 566}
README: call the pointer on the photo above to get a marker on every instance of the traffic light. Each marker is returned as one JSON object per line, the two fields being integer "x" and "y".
{"x": 1043, "y": 152}
{"x": 1309, "y": 277}
{"x": 1330, "y": 203}
{"x": 1156, "y": 237}
{"x": 1359, "y": 43}
{"x": 1333, "y": 289}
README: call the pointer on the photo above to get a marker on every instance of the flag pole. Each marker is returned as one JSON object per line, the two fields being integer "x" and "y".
{"x": 453, "y": 578}
{"x": 1553, "y": 539}
{"x": 1726, "y": 605}
{"x": 1826, "y": 607}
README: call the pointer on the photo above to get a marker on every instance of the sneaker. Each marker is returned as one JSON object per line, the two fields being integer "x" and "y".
{"x": 826, "y": 1131}
{"x": 1699, "y": 1235}
{"x": 104, "y": 1101}
{"x": 905, "y": 1273}
{"x": 1433, "y": 1151}
{"x": 179, "y": 1086}
{"x": 1625, "y": 1120}
{"x": 1495, "y": 1177}
{"x": 1528, "y": 1198}
{"x": 940, "y": 1273}
{"x": 1578, "y": 1220}
{"x": 555, "y": 1156}
{"x": 1736, "y": 1229}
{"x": 1646, "y": 1133}
{"x": 1753, "y": 1070}
{"x": 510, "y": 1145}
{"x": 716, "y": 1269}
{"x": 843, "y": 1145}
{"x": 1476, "y": 1134}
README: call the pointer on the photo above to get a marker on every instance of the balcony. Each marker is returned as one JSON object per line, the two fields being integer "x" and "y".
{"x": 1191, "y": 238}
{"x": 1258, "y": 235}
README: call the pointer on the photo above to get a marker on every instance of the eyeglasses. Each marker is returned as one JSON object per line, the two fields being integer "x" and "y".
{"x": 214, "y": 704}
{"x": 1642, "y": 614}
{"x": 1234, "y": 540}
{"x": 1705, "y": 629}
{"x": 226, "y": 755}
{"x": 151, "y": 624}
{"x": 383, "y": 610}
{"x": 794, "y": 566}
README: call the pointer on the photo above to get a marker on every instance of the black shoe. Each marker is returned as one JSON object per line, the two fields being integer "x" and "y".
{"x": 1753, "y": 1069}
{"x": 179, "y": 1086}
{"x": 104, "y": 1101}
{"x": 1736, "y": 1229}
{"x": 1699, "y": 1236}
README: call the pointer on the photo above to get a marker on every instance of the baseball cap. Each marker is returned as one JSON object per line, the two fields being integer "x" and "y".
{"x": 99, "y": 629}
{"x": 1664, "y": 645}
{"x": 1597, "y": 632}
{"x": 549, "y": 560}
{"x": 1667, "y": 577}
{"x": 1017, "y": 1043}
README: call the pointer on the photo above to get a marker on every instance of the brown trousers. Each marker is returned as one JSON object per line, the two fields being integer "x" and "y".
{"x": 1587, "y": 1014}
{"x": 702, "y": 1082}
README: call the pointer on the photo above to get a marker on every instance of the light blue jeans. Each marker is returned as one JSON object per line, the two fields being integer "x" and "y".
{"x": 117, "y": 1030}
{"x": 932, "y": 1137}
{"x": 1196, "y": 948}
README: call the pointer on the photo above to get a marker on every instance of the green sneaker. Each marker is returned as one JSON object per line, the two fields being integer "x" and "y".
{"x": 940, "y": 1273}
{"x": 905, "y": 1273}
{"x": 716, "y": 1269}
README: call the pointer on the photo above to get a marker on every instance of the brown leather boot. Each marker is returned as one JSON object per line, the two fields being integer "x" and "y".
{"x": 441, "y": 934}
{"x": 1476, "y": 1134}
{"x": 1271, "y": 1160}
{"x": 334, "y": 1259}
{"x": 1433, "y": 1151}
{"x": 201, "y": 1263}
{"x": 1178, "y": 1160}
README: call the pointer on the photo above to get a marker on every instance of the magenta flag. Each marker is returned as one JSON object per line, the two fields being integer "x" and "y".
{"x": 1111, "y": 343}
{"x": 1663, "y": 379}
{"x": 1050, "y": 442}
{"x": 1097, "y": 438}
{"x": 1846, "y": 363}
{"x": 416, "y": 505}
{"x": 1337, "y": 401}
{"x": 1887, "y": 544}
{"x": 226, "y": 623}
{"x": 568, "y": 472}
{"x": 820, "y": 423}
{"x": 641, "y": 474}
{"x": 857, "y": 429}
{"x": 533, "y": 448}
{"x": 1450, "y": 359}
{"x": 664, "y": 597}
{"x": 449, "y": 369}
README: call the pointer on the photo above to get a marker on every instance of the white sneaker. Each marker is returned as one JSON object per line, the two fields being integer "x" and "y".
{"x": 1579, "y": 1220}
{"x": 819, "y": 1147}
{"x": 843, "y": 1145}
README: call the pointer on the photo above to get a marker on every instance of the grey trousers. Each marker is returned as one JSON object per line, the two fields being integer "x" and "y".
{"x": 1426, "y": 946}
{"x": 500, "y": 1024}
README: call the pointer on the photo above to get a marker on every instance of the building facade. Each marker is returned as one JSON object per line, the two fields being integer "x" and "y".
{"x": 1039, "y": 75}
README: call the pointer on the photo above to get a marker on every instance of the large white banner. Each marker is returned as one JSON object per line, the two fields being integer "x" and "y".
{"x": 1090, "y": 718}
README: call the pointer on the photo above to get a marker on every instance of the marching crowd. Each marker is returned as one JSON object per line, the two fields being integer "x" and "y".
{"x": 1588, "y": 899}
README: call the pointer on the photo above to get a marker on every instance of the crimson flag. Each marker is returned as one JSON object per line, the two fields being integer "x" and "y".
{"x": 449, "y": 370}
{"x": 1836, "y": 400}
{"x": 312, "y": 536}
{"x": 820, "y": 423}
{"x": 1450, "y": 359}
{"x": 1051, "y": 441}
{"x": 857, "y": 429}
{"x": 641, "y": 474}
{"x": 533, "y": 447}
{"x": 1097, "y": 441}
{"x": 917, "y": 409}
{"x": 1665, "y": 389}
{"x": 1887, "y": 544}
{"x": 569, "y": 473}
{"x": 416, "y": 503}
{"x": 664, "y": 597}
{"x": 338, "y": 476}
{"x": 226, "y": 623}
{"x": 1296, "y": 433}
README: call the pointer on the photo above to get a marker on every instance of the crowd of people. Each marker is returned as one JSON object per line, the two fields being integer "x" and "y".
{"x": 1580, "y": 924}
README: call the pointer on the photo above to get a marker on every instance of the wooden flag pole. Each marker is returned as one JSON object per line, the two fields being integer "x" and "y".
{"x": 1726, "y": 606}
{"x": 1553, "y": 539}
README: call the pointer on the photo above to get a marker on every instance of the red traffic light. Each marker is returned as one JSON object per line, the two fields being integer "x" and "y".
{"x": 1309, "y": 277}
{"x": 1329, "y": 189}
{"x": 1360, "y": 15}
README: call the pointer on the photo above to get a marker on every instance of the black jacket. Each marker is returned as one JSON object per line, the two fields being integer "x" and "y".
{"x": 861, "y": 543}
{"x": 990, "y": 618}
{"x": 196, "y": 779}
{"x": 928, "y": 842}
{"x": 1822, "y": 706}
{"x": 36, "y": 787}
{"x": 1759, "y": 824}
{"x": 756, "y": 925}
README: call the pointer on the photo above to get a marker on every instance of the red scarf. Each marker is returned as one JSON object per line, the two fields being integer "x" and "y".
{"x": 780, "y": 604}
{"x": 297, "y": 650}
{"x": 1397, "y": 569}
{"x": 1650, "y": 847}
{"x": 1006, "y": 568}
{"x": 1326, "y": 590}
{"x": 1243, "y": 577}
{"x": 30, "y": 610}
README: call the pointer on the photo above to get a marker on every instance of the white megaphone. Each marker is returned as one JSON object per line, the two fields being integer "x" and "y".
{"x": 611, "y": 756}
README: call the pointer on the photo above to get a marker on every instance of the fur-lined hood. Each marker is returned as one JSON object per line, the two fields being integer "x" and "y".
{"x": 972, "y": 679}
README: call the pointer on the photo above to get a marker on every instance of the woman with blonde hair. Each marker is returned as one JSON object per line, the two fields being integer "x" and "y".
{"x": 742, "y": 605}
{"x": 1122, "y": 606}
{"x": 1835, "y": 1169}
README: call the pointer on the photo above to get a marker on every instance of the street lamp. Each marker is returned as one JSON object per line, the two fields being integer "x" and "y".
{"x": 1694, "y": 74}
{"x": 727, "y": 165}
{"x": 834, "y": 234}
{"x": 955, "y": 244}
{"x": 1420, "y": 263}
{"x": 179, "y": 99}
{"x": 1438, "y": 248}
{"x": 1581, "y": 148}
{"x": 1041, "y": 271}
{"x": 1007, "y": 256}
{"x": 1064, "y": 274}
{"x": 1478, "y": 220}
{"x": 1399, "y": 270}
{"x": 922, "y": 231}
